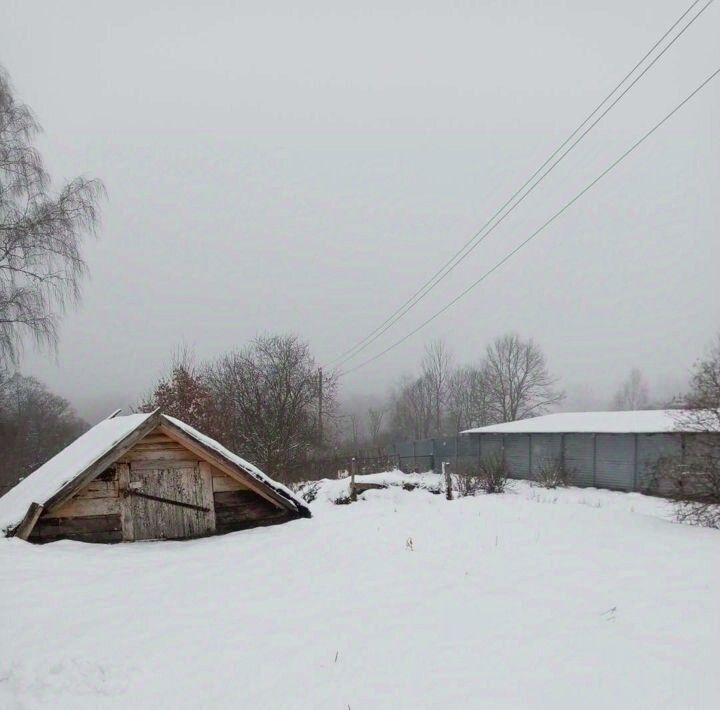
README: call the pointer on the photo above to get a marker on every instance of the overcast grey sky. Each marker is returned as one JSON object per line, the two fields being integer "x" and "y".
{"x": 304, "y": 167}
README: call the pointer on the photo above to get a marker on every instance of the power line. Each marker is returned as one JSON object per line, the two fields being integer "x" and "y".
{"x": 477, "y": 239}
{"x": 541, "y": 228}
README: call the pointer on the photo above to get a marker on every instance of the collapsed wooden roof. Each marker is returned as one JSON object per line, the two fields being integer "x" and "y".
{"x": 56, "y": 481}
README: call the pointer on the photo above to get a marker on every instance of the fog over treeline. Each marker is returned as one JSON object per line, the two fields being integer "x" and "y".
{"x": 268, "y": 175}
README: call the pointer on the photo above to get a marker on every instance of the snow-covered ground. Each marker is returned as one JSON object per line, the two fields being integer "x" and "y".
{"x": 531, "y": 599}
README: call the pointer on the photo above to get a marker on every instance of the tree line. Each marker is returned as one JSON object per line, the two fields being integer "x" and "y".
{"x": 34, "y": 425}
{"x": 262, "y": 401}
{"x": 510, "y": 381}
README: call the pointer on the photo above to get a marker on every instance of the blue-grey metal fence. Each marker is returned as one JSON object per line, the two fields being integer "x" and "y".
{"x": 617, "y": 461}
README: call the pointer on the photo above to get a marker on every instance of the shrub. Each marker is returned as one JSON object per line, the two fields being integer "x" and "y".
{"x": 554, "y": 474}
{"x": 492, "y": 474}
{"x": 308, "y": 491}
{"x": 694, "y": 486}
{"x": 466, "y": 480}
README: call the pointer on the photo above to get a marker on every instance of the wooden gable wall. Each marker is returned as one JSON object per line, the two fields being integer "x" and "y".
{"x": 98, "y": 512}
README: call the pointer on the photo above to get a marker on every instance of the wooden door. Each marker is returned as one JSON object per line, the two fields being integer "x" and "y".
{"x": 168, "y": 501}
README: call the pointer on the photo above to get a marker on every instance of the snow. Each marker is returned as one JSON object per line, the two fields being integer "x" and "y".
{"x": 47, "y": 480}
{"x": 249, "y": 468}
{"x": 530, "y": 599}
{"x": 652, "y": 421}
{"x": 332, "y": 490}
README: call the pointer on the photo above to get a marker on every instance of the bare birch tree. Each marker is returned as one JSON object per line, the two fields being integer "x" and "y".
{"x": 41, "y": 232}
{"x": 436, "y": 371}
{"x": 633, "y": 393}
{"x": 518, "y": 382}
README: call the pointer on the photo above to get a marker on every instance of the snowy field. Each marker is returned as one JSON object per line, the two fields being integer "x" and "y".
{"x": 532, "y": 599}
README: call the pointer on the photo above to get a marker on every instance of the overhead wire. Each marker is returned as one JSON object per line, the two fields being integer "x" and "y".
{"x": 540, "y": 229}
{"x": 482, "y": 234}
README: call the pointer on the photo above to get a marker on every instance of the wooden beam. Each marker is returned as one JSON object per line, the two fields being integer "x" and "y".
{"x": 28, "y": 522}
{"x": 109, "y": 458}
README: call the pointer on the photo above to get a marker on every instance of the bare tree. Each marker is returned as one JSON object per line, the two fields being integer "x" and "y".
{"x": 412, "y": 410}
{"x": 266, "y": 397}
{"x": 436, "y": 371}
{"x": 695, "y": 480}
{"x": 467, "y": 399}
{"x": 41, "y": 233}
{"x": 375, "y": 417}
{"x": 633, "y": 393}
{"x": 518, "y": 382}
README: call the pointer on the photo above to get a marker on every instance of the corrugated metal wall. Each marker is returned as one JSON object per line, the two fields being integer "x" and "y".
{"x": 579, "y": 458}
{"x": 545, "y": 449}
{"x": 615, "y": 461}
{"x": 517, "y": 455}
{"x": 618, "y": 461}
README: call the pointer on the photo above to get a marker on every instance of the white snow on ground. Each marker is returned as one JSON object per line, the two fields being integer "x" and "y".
{"x": 531, "y": 599}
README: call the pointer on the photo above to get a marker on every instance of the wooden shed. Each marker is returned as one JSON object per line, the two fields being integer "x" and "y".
{"x": 144, "y": 477}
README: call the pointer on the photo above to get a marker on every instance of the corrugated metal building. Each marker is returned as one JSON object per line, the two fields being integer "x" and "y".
{"x": 604, "y": 449}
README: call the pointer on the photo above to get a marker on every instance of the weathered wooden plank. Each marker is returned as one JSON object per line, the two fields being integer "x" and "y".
{"x": 205, "y": 495}
{"x": 162, "y": 463}
{"x": 64, "y": 527}
{"x": 222, "y": 483}
{"x": 82, "y": 507}
{"x": 99, "y": 489}
{"x": 280, "y": 516}
{"x": 141, "y": 446}
{"x": 164, "y": 454}
{"x": 362, "y": 487}
{"x": 238, "y": 510}
{"x": 28, "y": 522}
{"x": 242, "y": 507}
{"x": 156, "y": 438}
{"x": 126, "y": 520}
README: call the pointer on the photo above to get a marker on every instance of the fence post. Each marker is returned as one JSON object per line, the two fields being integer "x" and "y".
{"x": 353, "y": 493}
{"x": 448, "y": 482}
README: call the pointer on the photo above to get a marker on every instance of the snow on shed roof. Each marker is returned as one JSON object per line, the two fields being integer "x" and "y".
{"x": 651, "y": 421}
{"x": 41, "y": 485}
{"x": 62, "y": 468}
